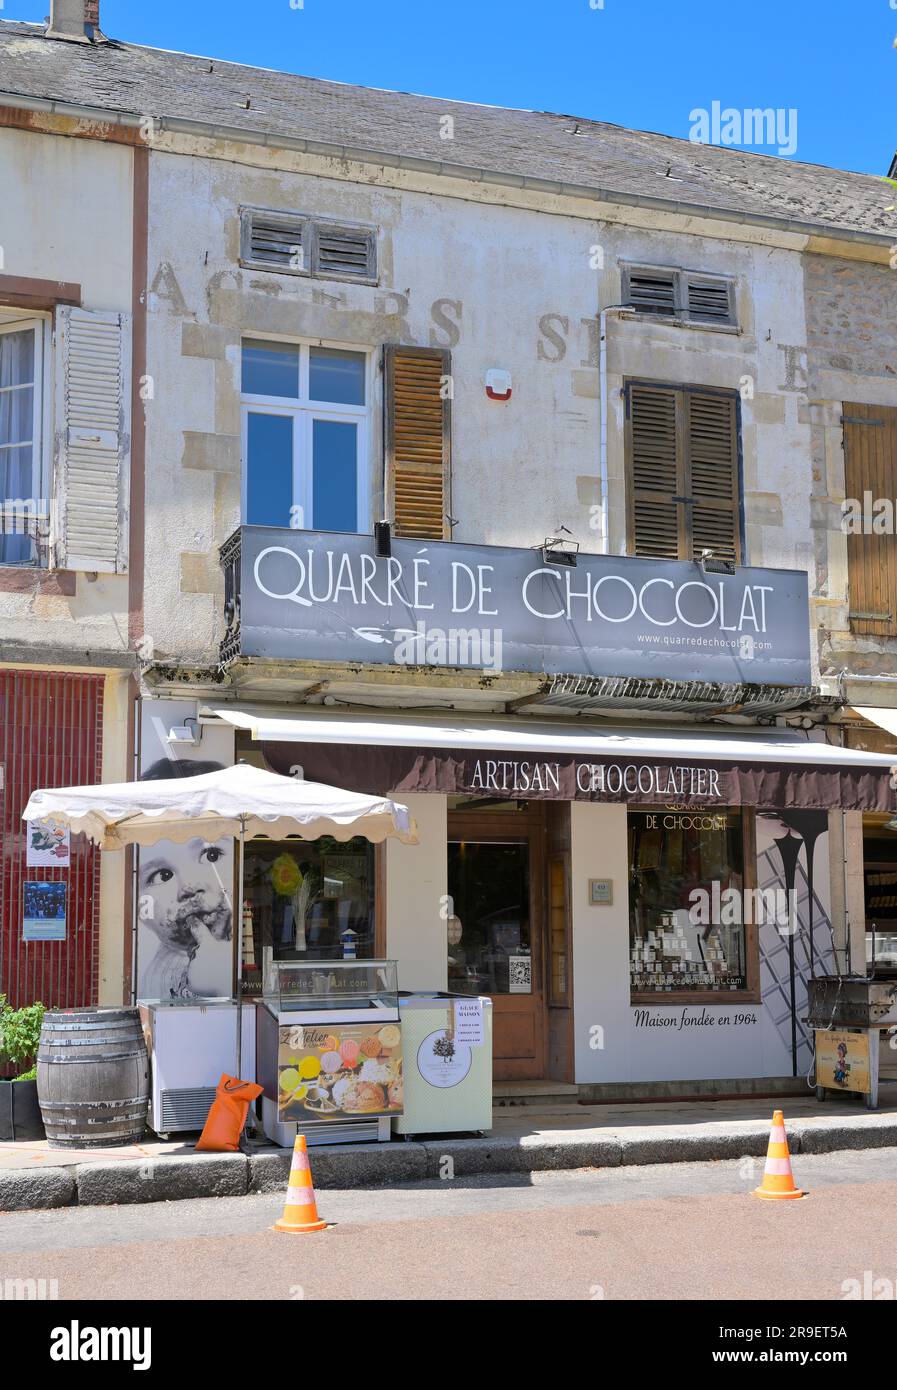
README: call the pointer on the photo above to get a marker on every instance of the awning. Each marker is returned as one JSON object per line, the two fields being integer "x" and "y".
{"x": 885, "y": 718}
{"x": 520, "y": 758}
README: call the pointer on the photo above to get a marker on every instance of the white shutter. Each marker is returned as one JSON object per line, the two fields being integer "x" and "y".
{"x": 92, "y": 430}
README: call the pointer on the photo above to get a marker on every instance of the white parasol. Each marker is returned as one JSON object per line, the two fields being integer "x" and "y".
{"x": 242, "y": 800}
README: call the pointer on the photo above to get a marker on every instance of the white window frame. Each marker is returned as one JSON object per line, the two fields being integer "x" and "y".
{"x": 303, "y": 411}
{"x": 15, "y": 321}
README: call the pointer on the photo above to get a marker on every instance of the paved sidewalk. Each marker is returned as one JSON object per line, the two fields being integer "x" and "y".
{"x": 523, "y": 1139}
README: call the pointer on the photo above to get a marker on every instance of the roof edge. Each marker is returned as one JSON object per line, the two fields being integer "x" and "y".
{"x": 441, "y": 168}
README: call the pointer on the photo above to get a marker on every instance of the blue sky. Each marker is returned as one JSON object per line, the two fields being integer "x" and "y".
{"x": 643, "y": 63}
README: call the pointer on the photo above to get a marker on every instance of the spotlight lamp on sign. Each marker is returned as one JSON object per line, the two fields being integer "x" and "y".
{"x": 557, "y": 550}
{"x": 498, "y": 384}
{"x": 711, "y": 563}
{"x": 184, "y": 733}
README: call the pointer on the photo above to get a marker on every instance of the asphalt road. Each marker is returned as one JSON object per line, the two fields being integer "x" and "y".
{"x": 671, "y": 1231}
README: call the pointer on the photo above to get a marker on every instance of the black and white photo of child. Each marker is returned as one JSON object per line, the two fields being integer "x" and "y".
{"x": 186, "y": 917}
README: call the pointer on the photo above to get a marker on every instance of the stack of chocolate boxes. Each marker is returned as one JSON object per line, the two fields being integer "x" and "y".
{"x": 664, "y": 961}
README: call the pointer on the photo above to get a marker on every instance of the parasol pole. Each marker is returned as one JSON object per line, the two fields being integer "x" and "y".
{"x": 238, "y": 928}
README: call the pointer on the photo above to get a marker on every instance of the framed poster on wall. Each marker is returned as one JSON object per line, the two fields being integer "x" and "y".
{"x": 43, "y": 914}
{"x": 49, "y": 845}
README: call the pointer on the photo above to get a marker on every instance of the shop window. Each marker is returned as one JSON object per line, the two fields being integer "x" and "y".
{"x": 308, "y": 900}
{"x": 880, "y": 887}
{"x": 305, "y": 436}
{"x": 489, "y": 947}
{"x": 689, "y": 930}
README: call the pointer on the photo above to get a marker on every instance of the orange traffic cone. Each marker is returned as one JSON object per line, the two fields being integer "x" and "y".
{"x": 300, "y": 1212}
{"x": 778, "y": 1180}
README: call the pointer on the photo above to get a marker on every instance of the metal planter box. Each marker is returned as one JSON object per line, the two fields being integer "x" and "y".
{"x": 20, "y": 1116}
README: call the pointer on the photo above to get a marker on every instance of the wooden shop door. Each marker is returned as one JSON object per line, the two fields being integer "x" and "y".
{"x": 495, "y": 882}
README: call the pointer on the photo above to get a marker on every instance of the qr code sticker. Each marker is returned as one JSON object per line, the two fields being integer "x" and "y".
{"x": 520, "y": 974}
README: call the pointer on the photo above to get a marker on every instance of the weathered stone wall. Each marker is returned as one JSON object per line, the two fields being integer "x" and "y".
{"x": 502, "y": 286}
{"x": 66, "y": 215}
{"x": 851, "y": 314}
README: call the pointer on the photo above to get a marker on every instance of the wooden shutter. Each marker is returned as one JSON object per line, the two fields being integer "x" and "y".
{"x": 682, "y": 473}
{"x": 870, "y": 465}
{"x": 418, "y": 440}
{"x": 92, "y": 430}
{"x": 711, "y": 475}
{"x": 656, "y": 520}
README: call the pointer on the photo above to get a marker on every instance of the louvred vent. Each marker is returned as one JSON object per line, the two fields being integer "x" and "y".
{"x": 276, "y": 242}
{"x": 679, "y": 294}
{"x": 652, "y": 293}
{"x": 346, "y": 252}
{"x": 709, "y": 301}
{"x": 299, "y": 244}
{"x": 418, "y": 447}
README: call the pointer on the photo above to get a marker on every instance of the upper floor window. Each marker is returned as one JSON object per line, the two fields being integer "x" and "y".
{"x": 682, "y": 472}
{"x": 23, "y": 509}
{"x": 305, "y": 436}
{"x": 294, "y": 243}
{"x": 682, "y": 295}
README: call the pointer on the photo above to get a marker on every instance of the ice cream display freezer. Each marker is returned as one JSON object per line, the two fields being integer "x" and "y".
{"x": 329, "y": 1051}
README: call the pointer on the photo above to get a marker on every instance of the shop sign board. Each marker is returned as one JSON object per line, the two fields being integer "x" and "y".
{"x": 601, "y": 892}
{"x": 469, "y": 1022}
{"x": 843, "y": 1061}
{"x": 695, "y": 796}
{"x": 323, "y": 596}
{"x": 335, "y": 1071}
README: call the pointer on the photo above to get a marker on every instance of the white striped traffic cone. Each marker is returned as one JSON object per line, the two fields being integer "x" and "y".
{"x": 778, "y": 1181}
{"x": 301, "y": 1210}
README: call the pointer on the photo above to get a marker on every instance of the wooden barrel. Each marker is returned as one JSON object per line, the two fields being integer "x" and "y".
{"x": 92, "y": 1078}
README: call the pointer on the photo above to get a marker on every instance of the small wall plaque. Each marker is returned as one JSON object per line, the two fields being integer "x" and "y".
{"x": 601, "y": 892}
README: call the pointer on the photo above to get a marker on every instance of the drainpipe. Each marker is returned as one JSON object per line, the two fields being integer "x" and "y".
{"x": 602, "y": 387}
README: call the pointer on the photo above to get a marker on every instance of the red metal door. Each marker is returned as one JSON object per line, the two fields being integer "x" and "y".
{"x": 51, "y": 728}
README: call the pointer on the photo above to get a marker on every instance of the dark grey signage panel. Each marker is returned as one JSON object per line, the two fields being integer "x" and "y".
{"x": 322, "y": 596}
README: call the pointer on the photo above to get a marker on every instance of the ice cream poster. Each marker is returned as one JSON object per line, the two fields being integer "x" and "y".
{"x": 49, "y": 845}
{"x": 332, "y": 1071}
{"x": 842, "y": 1061}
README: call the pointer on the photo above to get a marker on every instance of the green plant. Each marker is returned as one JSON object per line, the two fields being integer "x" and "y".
{"x": 19, "y": 1036}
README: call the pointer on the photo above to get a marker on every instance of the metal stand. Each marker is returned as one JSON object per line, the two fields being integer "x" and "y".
{"x": 237, "y": 928}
